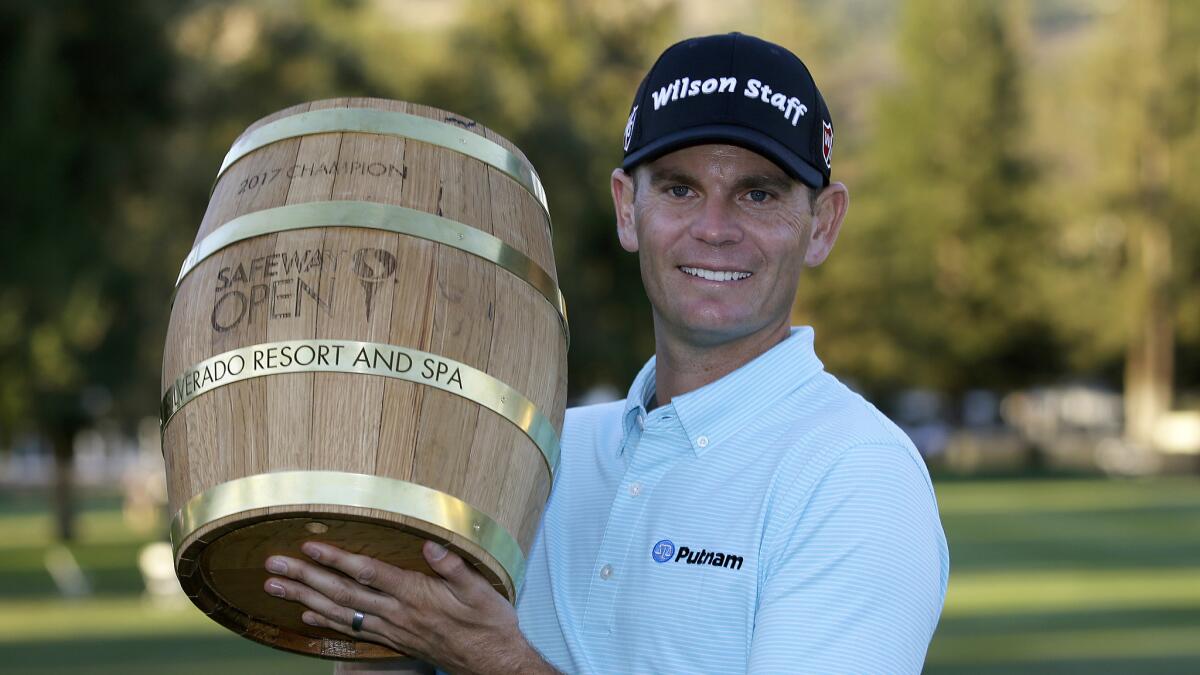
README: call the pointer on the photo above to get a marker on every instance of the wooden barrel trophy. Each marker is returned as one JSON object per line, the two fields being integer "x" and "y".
{"x": 367, "y": 347}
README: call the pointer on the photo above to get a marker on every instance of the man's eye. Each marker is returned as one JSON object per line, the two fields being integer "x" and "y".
{"x": 758, "y": 195}
{"x": 680, "y": 191}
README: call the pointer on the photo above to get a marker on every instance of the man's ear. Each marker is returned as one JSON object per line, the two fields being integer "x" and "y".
{"x": 828, "y": 214}
{"x": 622, "y": 194}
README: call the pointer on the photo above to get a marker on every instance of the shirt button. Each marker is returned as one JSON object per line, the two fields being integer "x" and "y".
{"x": 635, "y": 489}
{"x": 702, "y": 441}
{"x": 606, "y": 572}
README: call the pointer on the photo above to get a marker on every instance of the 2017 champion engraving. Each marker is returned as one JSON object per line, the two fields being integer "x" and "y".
{"x": 336, "y": 168}
{"x": 388, "y": 123}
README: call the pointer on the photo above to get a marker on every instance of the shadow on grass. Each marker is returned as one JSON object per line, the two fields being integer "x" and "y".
{"x": 109, "y": 568}
{"x": 27, "y": 584}
{"x": 1108, "y": 666}
{"x": 1071, "y": 621}
{"x": 1084, "y": 541}
{"x": 1150, "y": 640}
{"x": 200, "y": 654}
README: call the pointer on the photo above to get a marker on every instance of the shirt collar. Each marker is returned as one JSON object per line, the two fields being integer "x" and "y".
{"x": 640, "y": 391}
{"x": 716, "y": 411}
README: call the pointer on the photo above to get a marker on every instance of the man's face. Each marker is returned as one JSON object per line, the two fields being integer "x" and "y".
{"x": 722, "y": 234}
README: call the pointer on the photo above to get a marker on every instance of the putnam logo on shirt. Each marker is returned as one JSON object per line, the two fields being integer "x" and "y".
{"x": 665, "y": 551}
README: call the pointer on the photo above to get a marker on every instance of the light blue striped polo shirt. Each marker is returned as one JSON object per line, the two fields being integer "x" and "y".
{"x": 771, "y": 521}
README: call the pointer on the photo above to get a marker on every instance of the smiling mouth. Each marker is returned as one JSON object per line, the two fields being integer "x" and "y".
{"x": 714, "y": 275}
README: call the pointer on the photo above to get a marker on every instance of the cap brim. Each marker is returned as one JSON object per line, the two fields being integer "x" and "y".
{"x": 734, "y": 135}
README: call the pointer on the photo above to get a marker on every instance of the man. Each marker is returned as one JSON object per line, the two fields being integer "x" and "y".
{"x": 741, "y": 510}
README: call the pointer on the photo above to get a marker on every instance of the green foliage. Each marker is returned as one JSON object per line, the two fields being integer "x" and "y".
{"x": 1116, "y": 123}
{"x": 1154, "y": 139}
{"x": 80, "y": 110}
{"x": 930, "y": 285}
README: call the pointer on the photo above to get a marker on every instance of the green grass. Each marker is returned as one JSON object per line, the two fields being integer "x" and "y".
{"x": 152, "y": 654}
{"x": 116, "y": 630}
{"x": 1047, "y": 576}
{"x": 1071, "y": 576}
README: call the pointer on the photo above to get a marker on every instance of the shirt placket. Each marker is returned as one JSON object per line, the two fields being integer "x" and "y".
{"x": 653, "y": 448}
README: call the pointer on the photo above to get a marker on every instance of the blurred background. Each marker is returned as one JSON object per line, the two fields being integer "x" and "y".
{"x": 1016, "y": 282}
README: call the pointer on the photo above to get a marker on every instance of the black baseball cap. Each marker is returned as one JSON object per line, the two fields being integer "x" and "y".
{"x": 735, "y": 89}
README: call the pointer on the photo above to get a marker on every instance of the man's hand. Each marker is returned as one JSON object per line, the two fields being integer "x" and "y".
{"x": 457, "y": 621}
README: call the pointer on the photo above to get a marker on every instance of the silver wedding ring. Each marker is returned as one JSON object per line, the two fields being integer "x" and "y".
{"x": 356, "y": 624}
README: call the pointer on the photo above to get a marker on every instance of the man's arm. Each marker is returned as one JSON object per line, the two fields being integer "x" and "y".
{"x": 455, "y": 620}
{"x": 854, "y": 582}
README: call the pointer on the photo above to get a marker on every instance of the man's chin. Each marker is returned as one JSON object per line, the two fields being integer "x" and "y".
{"x": 712, "y": 331}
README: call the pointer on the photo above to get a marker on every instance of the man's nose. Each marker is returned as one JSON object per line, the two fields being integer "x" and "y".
{"x": 716, "y": 224}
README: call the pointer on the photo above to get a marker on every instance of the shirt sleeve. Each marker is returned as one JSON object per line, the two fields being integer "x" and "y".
{"x": 854, "y": 579}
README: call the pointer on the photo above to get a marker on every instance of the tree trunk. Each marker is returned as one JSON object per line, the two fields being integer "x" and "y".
{"x": 1149, "y": 362}
{"x": 63, "y": 440}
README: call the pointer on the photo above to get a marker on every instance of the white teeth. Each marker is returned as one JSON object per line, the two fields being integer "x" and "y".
{"x": 713, "y": 275}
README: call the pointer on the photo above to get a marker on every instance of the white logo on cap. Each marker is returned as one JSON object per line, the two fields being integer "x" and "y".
{"x": 685, "y": 87}
{"x": 790, "y": 106}
{"x": 629, "y": 128}
{"x": 827, "y": 143}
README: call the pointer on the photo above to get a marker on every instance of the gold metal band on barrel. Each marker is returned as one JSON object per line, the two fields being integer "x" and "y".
{"x": 387, "y": 217}
{"x": 367, "y": 358}
{"x": 287, "y": 488}
{"x": 390, "y": 123}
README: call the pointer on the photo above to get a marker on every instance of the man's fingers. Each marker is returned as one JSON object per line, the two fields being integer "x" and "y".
{"x": 299, "y": 592}
{"x": 328, "y": 585}
{"x": 363, "y": 569}
{"x": 465, "y": 582}
{"x": 369, "y": 627}
{"x": 468, "y": 584}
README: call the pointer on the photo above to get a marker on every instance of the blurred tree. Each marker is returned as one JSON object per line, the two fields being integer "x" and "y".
{"x": 1083, "y": 256}
{"x": 120, "y": 115}
{"x": 1148, "y": 146}
{"x": 1119, "y": 137}
{"x": 931, "y": 283}
{"x": 238, "y": 62}
{"x": 86, "y": 87}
